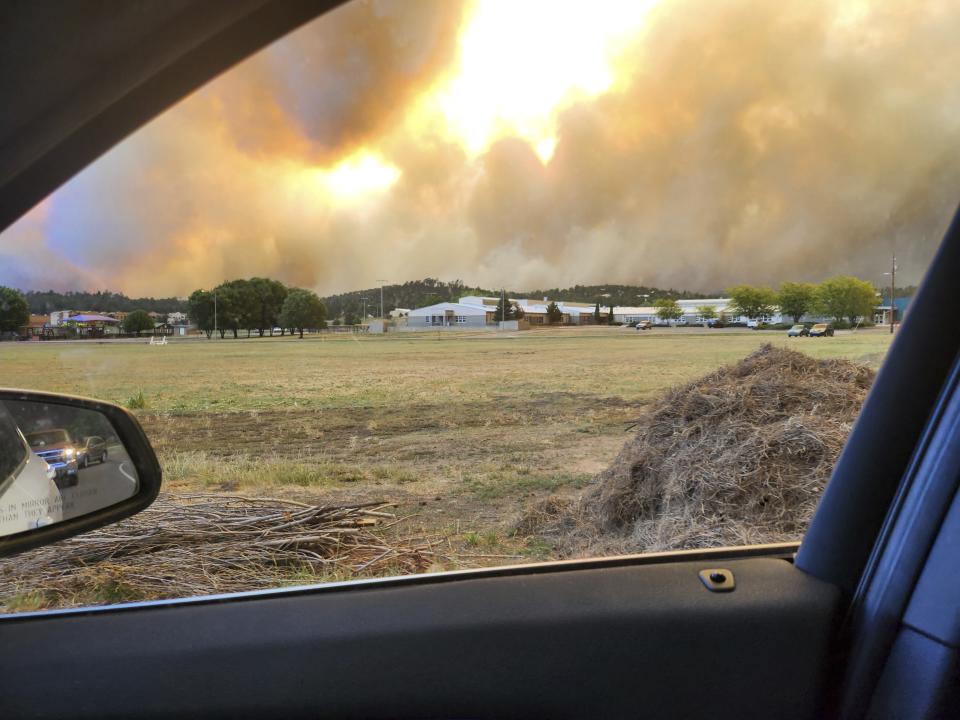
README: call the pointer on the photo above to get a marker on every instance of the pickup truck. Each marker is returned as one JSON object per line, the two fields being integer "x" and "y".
{"x": 58, "y": 450}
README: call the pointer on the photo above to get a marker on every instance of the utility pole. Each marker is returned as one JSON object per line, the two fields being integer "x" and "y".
{"x": 893, "y": 289}
{"x": 381, "y": 297}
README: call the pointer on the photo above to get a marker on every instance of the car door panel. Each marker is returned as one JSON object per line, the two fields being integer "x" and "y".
{"x": 636, "y": 641}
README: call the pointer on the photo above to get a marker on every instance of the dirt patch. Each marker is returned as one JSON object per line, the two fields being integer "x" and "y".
{"x": 740, "y": 456}
{"x": 299, "y": 432}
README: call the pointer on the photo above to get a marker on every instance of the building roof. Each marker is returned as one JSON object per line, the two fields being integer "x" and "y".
{"x": 628, "y": 310}
{"x": 457, "y": 308}
{"x": 697, "y": 302}
{"x": 91, "y": 318}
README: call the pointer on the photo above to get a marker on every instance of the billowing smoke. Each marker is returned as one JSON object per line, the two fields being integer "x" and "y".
{"x": 744, "y": 141}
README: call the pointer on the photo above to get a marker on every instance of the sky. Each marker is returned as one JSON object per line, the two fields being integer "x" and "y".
{"x": 531, "y": 144}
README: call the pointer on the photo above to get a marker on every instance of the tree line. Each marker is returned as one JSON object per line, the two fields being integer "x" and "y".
{"x": 842, "y": 298}
{"x": 42, "y": 302}
{"x": 256, "y": 304}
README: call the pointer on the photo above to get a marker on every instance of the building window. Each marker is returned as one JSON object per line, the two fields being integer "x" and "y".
{"x": 461, "y": 319}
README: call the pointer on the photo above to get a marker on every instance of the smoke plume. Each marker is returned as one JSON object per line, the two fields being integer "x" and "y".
{"x": 744, "y": 141}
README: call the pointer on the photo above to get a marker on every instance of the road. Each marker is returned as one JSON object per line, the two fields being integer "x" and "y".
{"x": 101, "y": 485}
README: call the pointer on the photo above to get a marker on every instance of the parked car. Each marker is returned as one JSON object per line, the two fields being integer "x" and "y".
{"x": 798, "y": 331}
{"x": 644, "y": 325}
{"x": 821, "y": 330}
{"x": 93, "y": 449}
{"x": 57, "y": 449}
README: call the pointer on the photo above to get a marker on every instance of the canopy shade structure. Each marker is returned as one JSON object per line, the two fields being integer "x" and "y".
{"x": 92, "y": 318}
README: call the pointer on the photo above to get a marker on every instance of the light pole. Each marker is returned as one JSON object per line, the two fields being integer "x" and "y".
{"x": 381, "y": 296}
{"x": 893, "y": 289}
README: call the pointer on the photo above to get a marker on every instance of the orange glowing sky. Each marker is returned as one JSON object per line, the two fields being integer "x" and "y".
{"x": 534, "y": 143}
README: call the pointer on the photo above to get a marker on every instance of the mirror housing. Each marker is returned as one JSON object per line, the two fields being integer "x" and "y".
{"x": 137, "y": 448}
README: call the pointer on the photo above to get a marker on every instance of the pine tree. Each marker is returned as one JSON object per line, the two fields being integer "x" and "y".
{"x": 504, "y": 313}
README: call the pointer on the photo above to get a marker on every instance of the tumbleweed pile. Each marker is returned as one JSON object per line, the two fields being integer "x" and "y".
{"x": 740, "y": 456}
{"x": 201, "y": 544}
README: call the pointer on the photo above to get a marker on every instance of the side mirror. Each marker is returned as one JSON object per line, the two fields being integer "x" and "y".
{"x": 53, "y": 485}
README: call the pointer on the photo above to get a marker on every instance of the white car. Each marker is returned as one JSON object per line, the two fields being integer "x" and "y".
{"x": 29, "y": 497}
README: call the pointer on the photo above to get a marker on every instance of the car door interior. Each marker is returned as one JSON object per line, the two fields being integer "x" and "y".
{"x": 623, "y": 640}
{"x": 869, "y": 604}
{"x": 866, "y": 612}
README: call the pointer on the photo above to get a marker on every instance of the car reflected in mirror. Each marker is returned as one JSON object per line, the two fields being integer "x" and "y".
{"x": 69, "y": 463}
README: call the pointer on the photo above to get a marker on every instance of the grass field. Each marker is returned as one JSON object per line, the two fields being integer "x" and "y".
{"x": 461, "y": 431}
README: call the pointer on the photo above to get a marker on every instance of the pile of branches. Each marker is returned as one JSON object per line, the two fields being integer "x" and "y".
{"x": 200, "y": 544}
{"x": 740, "y": 456}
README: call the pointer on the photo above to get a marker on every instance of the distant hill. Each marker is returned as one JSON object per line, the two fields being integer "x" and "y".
{"x": 420, "y": 293}
{"x": 629, "y": 295}
{"x": 46, "y": 301}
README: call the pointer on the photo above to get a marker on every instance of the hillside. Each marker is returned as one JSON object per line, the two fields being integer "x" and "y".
{"x": 419, "y": 293}
{"x": 45, "y": 301}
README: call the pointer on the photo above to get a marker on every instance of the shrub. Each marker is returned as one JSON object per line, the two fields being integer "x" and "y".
{"x": 137, "y": 402}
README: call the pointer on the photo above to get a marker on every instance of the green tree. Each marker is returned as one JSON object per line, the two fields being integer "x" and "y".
{"x": 270, "y": 295}
{"x": 201, "y": 309}
{"x": 845, "y": 296}
{"x": 238, "y": 306}
{"x": 505, "y": 310}
{"x": 247, "y": 304}
{"x": 707, "y": 312}
{"x": 14, "y": 311}
{"x": 668, "y": 309}
{"x": 431, "y": 299}
{"x": 596, "y": 315}
{"x": 350, "y": 318}
{"x": 554, "y": 314}
{"x": 137, "y": 321}
{"x": 752, "y": 301}
{"x": 797, "y": 299}
{"x": 303, "y": 309}
{"x": 228, "y": 309}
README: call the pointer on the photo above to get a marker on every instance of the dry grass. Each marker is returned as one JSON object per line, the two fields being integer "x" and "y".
{"x": 740, "y": 456}
{"x": 460, "y": 434}
{"x": 201, "y": 544}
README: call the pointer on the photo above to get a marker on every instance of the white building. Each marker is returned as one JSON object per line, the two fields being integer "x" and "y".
{"x": 690, "y": 312}
{"x": 626, "y": 315}
{"x": 535, "y": 311}
{"x": 447, "y": 314}
{"x": 478, "y": 311}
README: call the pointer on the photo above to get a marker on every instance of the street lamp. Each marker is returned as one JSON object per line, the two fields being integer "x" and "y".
{"x": 381, "y": 296}
{"x": 893, "y": 289}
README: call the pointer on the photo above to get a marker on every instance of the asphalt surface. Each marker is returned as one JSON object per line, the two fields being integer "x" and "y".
{"x": 100, "y": 485}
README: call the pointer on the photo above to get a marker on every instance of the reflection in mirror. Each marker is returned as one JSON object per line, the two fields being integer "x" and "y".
{"x": 58, "y": 462}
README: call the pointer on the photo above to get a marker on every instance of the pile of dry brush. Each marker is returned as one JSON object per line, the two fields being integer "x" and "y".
{"x": 739, "y": 456}
{"x": 200, "y": 544}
